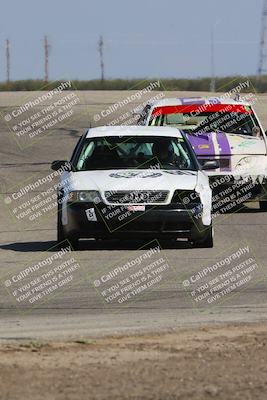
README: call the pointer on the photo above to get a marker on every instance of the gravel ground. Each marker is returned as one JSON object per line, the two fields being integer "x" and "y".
{"x": 204, "y": 363}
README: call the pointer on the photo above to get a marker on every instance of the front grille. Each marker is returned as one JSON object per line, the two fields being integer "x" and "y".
{"x": 137, "y": 196}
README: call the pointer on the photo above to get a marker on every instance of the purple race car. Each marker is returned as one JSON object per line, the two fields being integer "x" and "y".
{"x": 222, "y": 130}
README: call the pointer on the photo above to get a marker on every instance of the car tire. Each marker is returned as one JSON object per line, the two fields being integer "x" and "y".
{"x": 263, "y": 205}
{"x": 63, "y": 240}
{"x": 207, "y": 242}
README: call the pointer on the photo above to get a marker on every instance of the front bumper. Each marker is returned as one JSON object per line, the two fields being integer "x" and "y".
{"x": 156, "y": 221}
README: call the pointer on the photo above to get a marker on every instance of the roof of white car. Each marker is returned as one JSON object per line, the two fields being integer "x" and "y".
{"x": 132, "y": 131}
{"x": 175, "y": 101}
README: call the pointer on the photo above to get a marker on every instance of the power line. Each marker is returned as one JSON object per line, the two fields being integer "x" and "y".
{"x": 213, "y": 79}
{"x": 100, "y": 49}
{"x": 47, "y": 48}
{"x": 263, "y": 42}
{"x": 7, "y": 61}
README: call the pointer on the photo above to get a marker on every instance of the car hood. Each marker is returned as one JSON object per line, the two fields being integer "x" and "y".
{"x": 223, "y": 144}
{"x": 132, "y": 179}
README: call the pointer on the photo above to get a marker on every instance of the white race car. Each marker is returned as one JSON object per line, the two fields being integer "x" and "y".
{"x": 134, "y": 182}
{"x": 224, "y": 130}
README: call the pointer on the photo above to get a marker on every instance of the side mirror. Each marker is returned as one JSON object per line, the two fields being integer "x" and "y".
{"x": 257, "y": 132}
{"x": 138, "y": 111}
{"x": 210, "y": 165}
{"x": 58, "y": 164}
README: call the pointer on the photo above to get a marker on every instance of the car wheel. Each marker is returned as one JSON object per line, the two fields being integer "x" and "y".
{"x": 207, "y": 242}
{"x": 63, "y": 240}
{"x": 263, "y": 205}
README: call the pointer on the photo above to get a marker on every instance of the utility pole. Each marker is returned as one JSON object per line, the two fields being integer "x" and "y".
{"x": 47, "y": 49}
{"x": 7, "y": 61}
{"x": 263, "y": 43}
{"x": 100, "y": 50}
{"x": 212, "y": 60}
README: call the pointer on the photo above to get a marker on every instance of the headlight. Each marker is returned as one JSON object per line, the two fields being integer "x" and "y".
{"x": 252, "y": 166}
{"x": 251, "y": 162}
{"x": 246, "y": 161}
{"x": 85, "y": 196}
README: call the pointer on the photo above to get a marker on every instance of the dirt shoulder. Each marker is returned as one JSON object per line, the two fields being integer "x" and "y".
{"x": 223, "y": 363}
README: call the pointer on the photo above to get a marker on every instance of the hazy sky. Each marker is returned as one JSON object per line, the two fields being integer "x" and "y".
{"x": 143, "y": 38}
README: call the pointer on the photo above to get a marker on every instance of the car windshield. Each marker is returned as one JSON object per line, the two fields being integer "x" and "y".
{"x": 229, "y": 119}
{"x": 128, "y": 152}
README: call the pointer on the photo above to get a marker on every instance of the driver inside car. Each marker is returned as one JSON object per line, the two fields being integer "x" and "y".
{"x": 164, "y": 153}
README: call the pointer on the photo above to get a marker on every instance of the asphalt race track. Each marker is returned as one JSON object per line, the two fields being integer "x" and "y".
{"x": 78, "y": 309}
